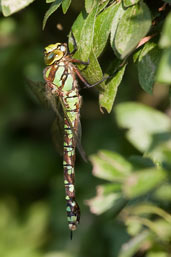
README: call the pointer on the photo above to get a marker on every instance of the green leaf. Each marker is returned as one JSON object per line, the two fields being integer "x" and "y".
{"x": 141, "y": 182}
{"x": 86, "y": 35}
{"x": 93, "y": 72}
{"x": 133, "y": 26}
{"x": 165, "y": 40}
{"x": 102, "y": 5}
{"x": 158, "y": 253}
{"x": 128, "y": 3}
{"x": 131, "y": 247}
{"x": 54, "y": 6}
{"x": 142, "y": 122}
{"x": 9, "y": 7}
{"x": 107, "y": 97}
{"x": 119, "y": 11}
{"x": 65, "y": 5}
{"x": 108, "y": 196}
{"x": 163, "y": 193}
{"x": 149, "y": 208}
{"x": 110, "y": 166}
{"x": 76, "y": 29}
{"x": 147, "y": 65}
{"x": 160, "y": 148}
{"x": 90, "y": 4}
{"x": 164, "y": 70}
{"x": 50, "y": 1}
{"x": 102, "y": 28}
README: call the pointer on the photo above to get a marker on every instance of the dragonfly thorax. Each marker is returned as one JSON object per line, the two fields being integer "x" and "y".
{"x": 54, "y": 52}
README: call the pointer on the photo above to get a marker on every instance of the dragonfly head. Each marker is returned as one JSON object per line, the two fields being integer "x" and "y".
{"x": 54, "y": 52}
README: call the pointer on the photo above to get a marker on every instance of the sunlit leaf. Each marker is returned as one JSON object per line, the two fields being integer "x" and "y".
{"x": 158, "y": 253}
{"x": 108, "y": 196}
{"x": 131, "y": 247}
{"x": 86, "y": 35}
{"x": 9, "y": 6}
{"x": 50, "y": 1}
{"x": 160, "y": 147}
{"x": 128, "y": 3}
{"x": 110, "y": 166}
{"x": 54, "y": 6}
{"x": 164, "y": 69}
{"x": 163, "y": 193}
{"x": 90, "y": 4}
{"x": 149, "y": 208}
{"x": 102, "y": 28}
{"x": 142, "y": 122}
{"x": 107, "y": 97}
{"x": 65, "y": 5}
{"x": 133, "y": 26}
{"x": 93, "y": 72}
{"x": 165, "y": 40}
{"x": 141, "y": 182}
{"x": 119, "y": 11}
{"x": 147, "y": 66}
{"x": 103, "y": 5}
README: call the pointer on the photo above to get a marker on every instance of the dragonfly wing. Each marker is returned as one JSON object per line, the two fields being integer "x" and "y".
{"x": 48, "y": 100}
{"x": 77, "y": 136}
{"x": 58, "y": 135}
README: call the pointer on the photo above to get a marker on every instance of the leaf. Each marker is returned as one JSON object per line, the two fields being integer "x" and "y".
{"x": 65, "y": 5}
{"x": 164, "y": 70}
{"x": 110, "y": 166}
{"x": 128, "y": 3}
{"x": 118, "y": 15}
{"x": 9, "y": 6}
{"x": 93, "y": 72}
{"x": 165, "y": 40}
{"x": 90, "y": 4}
{"x": 131, "y": 247}
{"x": 163, "y": 193}
{"x": 142, "y": 122}
{"x": 86, "y": 35}
{"x": 158, "y": 253}
{"x": 160, "y": 147}
{"x": 147, "y": 65}
{"x": 50, "y": 1}
{"x": 141, "y": 182}
{"x": 54, "y": 6}
{"x": 76, "y": 29}
{"x": 102, "y": 28}
{"x": 106, "y": 98}
{"x": 108, "y": 196}
{"x": 149, "y": 208}
{"x": 133, "y": 26}
{"x": 102, "y": 5}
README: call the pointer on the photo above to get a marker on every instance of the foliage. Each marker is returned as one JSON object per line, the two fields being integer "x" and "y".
{"x": 130, "y": 149}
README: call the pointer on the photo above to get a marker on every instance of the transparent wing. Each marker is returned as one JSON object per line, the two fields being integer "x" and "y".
{"x": 47, "y": 99}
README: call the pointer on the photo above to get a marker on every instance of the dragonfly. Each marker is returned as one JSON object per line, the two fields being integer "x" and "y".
{"x": 60, "y": 77}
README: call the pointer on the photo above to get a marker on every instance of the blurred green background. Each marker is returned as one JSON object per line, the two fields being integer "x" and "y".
{"x": 32, "y": 206}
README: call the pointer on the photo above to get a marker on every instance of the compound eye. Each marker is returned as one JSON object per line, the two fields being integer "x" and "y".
{"x": 50, "y": 56}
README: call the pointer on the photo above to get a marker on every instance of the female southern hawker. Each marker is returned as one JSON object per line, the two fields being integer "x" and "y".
{"x": 60, "y": 76}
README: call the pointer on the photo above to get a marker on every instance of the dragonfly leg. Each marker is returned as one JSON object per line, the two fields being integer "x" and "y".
{"x": 87, "y": 85}
{"x": 75, "y": 44}
{"x": 80, "y": 62}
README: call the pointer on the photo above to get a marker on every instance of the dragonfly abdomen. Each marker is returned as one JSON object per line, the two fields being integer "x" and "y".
{"x": 72, "y": 101}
